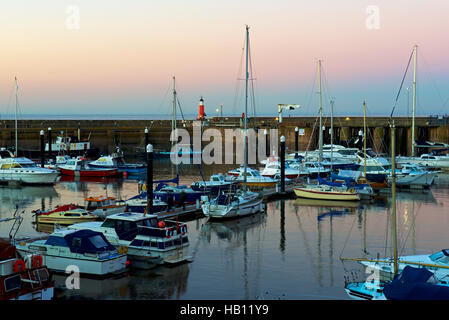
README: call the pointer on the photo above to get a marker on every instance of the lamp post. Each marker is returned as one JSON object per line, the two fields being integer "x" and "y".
{"x": 282, "y": 107}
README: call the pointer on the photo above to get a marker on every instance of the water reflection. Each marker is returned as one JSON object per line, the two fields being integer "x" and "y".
{"x": 158, "y": 283}
{"x": 235, "y": 233}
{"x": 11, "y": 197}
{"x": 234, "y": 230}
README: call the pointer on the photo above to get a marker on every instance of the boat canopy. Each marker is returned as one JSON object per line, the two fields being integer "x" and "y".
{"x": 413, "y": 284}
{"x": 81, "y": 241}
{"x": 329, "y": 183}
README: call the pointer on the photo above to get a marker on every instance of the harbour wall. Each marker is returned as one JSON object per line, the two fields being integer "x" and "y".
{"x": 129, "y": 135}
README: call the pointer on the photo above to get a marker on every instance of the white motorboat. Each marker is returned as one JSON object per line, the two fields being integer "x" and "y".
{"x": 273, "y": 169}
{"x": 117, "y": 161}
{"x": 149, "y": 242}
{"x": 23, "y": 170}
{"x": 90, "y": 251}
{"x": 426, "y": 160}
{"x": 233, "y": 205}
{"x": 216, "y": 183}
{"x": 253, "y": 179}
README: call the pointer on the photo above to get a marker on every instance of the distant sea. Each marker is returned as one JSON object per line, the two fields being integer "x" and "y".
{"x": 140, "y": 116}
{"x": 113, "y": 116}
{"x": 93, "y": 117}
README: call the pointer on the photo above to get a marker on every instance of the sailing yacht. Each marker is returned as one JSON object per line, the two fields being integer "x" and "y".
{"x": 324, "y": 190}
{"x": 243, "y": 202}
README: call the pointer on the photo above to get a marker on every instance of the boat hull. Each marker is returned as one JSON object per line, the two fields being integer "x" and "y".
{"x": 85, "y": 265}
{"x": 424, "y": 180}
{"x": 37, "y": 178}
{"x": 323, "y": 195}
{"x": 260, "y": 184}
{"x": 62, "y": 220}
{"x": 230, "y": 212}
{"x": 89, "y": 173}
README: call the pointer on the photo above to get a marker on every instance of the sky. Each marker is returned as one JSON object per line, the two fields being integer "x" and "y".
{"x": 119, "y": 57}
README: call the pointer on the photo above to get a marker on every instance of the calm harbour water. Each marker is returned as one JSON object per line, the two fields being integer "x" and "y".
{"x": 292, "y": 251}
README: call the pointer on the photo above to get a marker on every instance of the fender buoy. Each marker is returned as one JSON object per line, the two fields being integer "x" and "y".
{"x": 351, "y": 190}
{"x": 20, "y": 263}
{"x": 122, "y": 250}
{"x": 36, "y": 261}
{"x": 144, "y": 187}
{"x": 168, "y": 233}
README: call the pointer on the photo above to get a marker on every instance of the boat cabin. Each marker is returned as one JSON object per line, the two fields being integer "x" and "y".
{"x": 17, "y": 163}
{"x": 251, "y": 173}
{"x": 126, "y": 224}
{"x": 79, "y": 241}
{"x": 93, "y": 203}
{"x": 146, "y": 230}
{"x": 428, "y": 157}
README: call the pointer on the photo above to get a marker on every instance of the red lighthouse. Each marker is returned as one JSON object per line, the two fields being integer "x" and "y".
{"x": 201, "y": 113}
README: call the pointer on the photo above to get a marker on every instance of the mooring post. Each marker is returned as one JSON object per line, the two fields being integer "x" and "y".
{"x": 296, "y": 142}
{"x": 146, "y": 137}
{"x": 267, "y": 149}
{"x": 42, "y": 149}
{"x": 282, "y": 159}
{"x": 150, "y": 176}
{"x": 49, "y": 143}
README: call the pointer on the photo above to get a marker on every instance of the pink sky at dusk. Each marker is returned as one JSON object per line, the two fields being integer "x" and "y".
{"x": 124, "y": 54}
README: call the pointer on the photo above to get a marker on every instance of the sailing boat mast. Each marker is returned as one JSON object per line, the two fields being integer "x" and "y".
{"x": 246, "y": 110}
{"x": 17, "y": 89}
{"x": 415, "y": 48}
{"x": 332, "y": 133}
{"x": 364, "y": 136}
{"x": 321, "y": 115}
{"x": 393, "y": 195}
{"x": 173, "y": 123}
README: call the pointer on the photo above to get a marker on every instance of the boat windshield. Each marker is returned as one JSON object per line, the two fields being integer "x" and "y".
{"x": 5, "y": 154}
{"x": 28, "y": 165}
{"x": 98, "y": 241}
{"x": 148, "y": 223}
